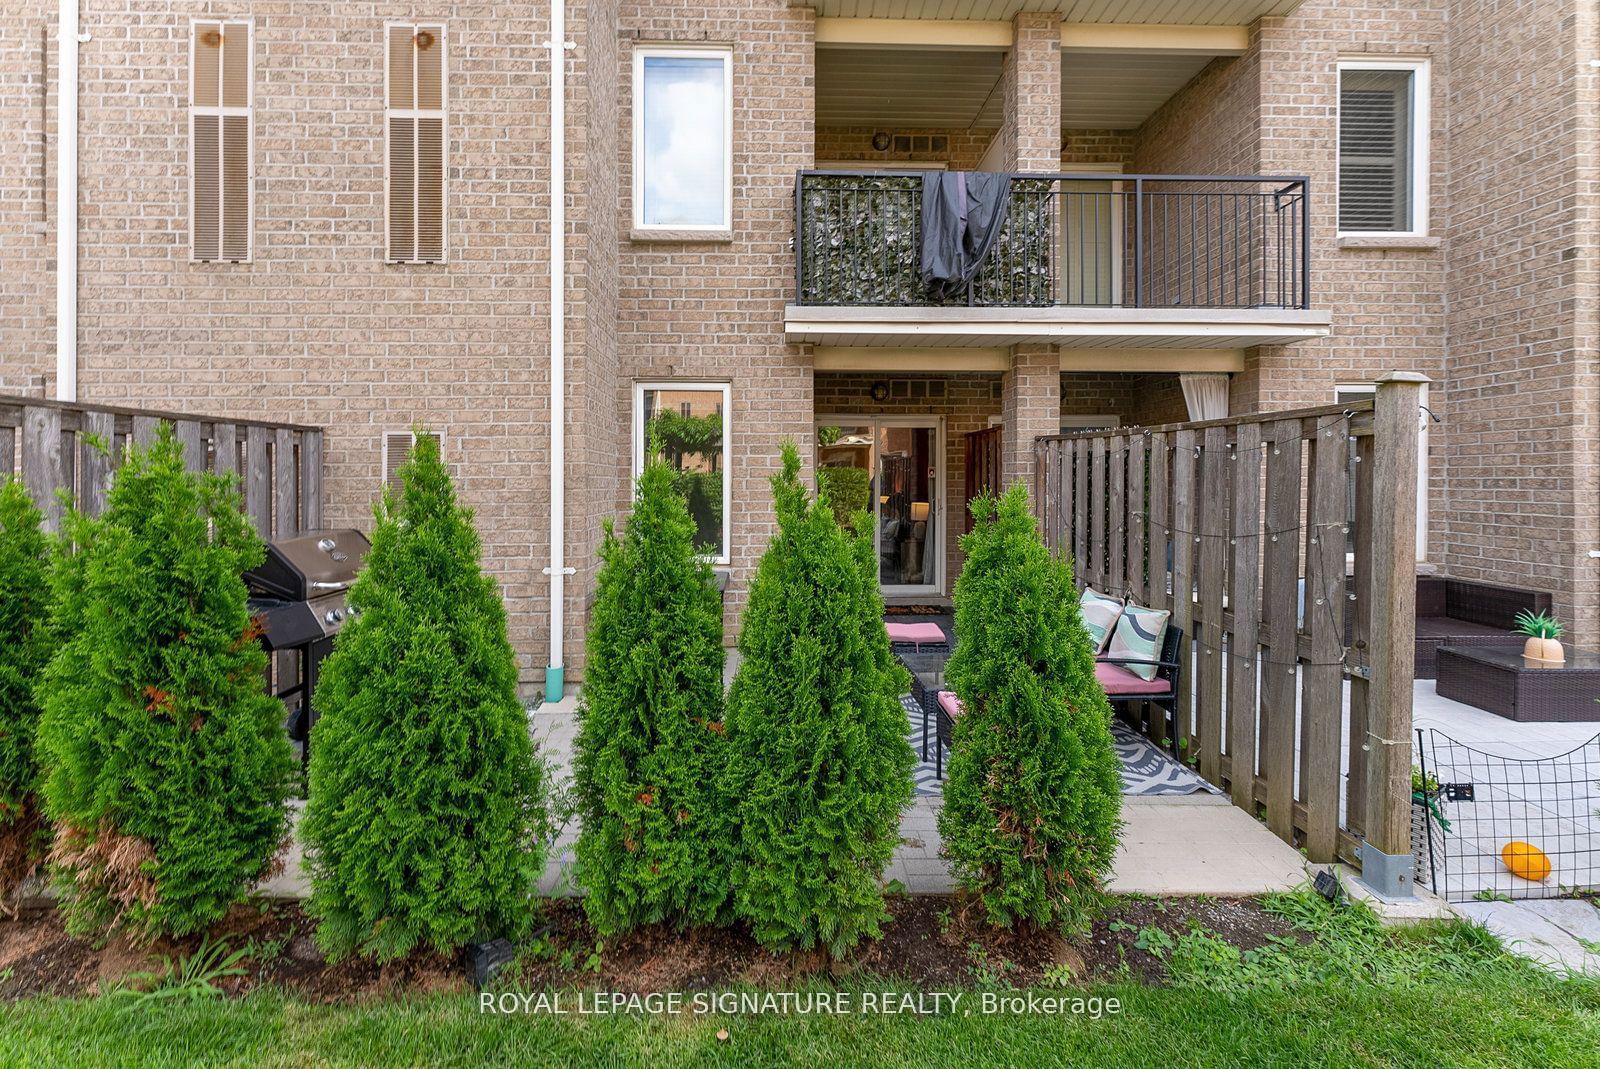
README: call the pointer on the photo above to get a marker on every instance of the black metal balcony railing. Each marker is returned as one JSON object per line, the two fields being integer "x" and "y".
{"x": 1088, "y": 240}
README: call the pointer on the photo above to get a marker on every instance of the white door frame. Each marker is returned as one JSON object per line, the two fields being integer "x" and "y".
{"x": 1114, "y": 223}
{"x": 936, "y": 506}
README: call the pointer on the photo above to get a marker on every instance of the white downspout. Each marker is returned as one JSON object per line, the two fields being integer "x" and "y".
{"x": 555, "y": 671}
{"x": 67, "y": 204}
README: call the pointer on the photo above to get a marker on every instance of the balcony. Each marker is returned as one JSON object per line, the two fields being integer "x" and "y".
{"x": 1081, "y": 261}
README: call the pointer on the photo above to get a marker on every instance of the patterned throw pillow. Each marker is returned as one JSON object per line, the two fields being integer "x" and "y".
{"x": 1138, "y": 638}
{"x": 1099, "y": 616}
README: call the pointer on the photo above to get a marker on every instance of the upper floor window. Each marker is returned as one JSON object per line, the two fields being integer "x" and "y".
{"x": 415, "y": 117}
{"x": 221, "y": 152}
{"x": 687, "y": 422}
{"x": 1383, "y": 146}
{"x": 682, "y": 138}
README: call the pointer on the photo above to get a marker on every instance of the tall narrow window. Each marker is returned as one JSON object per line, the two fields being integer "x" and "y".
{"x": 682, "y": 138}
{"x": 687, "y": 422}
{"x": 417, "y": 131}
{"x": 221, "y": 128}
{"x": 1383, "y": 148}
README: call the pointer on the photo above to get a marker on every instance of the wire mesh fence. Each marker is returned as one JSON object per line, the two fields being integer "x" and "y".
{"x": 1500, "y": 826}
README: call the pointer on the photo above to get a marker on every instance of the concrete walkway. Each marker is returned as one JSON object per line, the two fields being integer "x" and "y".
{"x": 1171, "y": 845}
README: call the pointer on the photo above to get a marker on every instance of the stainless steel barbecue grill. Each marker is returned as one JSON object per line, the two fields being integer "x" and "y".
{"x": 298, "y": 596}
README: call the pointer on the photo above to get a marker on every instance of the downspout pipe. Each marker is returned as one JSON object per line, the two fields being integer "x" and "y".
{"x": 555, "y": 671}
{"x": 67, "y": 203}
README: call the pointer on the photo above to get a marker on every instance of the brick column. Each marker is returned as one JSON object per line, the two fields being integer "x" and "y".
{"x": 1030, "y": 405}
{"x": 1031, "y": 95}
{"x": 1030, "y": 85}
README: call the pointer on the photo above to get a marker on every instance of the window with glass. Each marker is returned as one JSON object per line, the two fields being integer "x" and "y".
{"x": 1383, "y": 121}
{"x": 687, "y": 425}
{"x": 682, "y": 138}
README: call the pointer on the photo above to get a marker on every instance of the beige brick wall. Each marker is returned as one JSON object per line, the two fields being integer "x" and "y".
{"x": 318, "y": 329}
{"x": 713, "y": 310}
{"x": 1273, "y": 111}
{"x": 1519, "y": 399}
{"x": 27, "y": 199}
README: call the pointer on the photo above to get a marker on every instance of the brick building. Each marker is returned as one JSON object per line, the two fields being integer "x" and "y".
{"x": 339, "y": 213}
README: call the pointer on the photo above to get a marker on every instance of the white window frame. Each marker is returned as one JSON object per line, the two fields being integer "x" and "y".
{"x": 724, "y": 388}
{"x": 443, "y": 115}
{"x": 1421, "y": 137}
{"x": 1371, "y": 390}
{"x": 679, "y": 51}
{"x": 221, "y": 112}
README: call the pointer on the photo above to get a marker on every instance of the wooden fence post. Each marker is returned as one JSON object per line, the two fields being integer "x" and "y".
{"x": 1386, "y": 853}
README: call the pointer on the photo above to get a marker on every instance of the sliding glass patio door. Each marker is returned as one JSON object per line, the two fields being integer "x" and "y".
{"x": 893, "y": 468}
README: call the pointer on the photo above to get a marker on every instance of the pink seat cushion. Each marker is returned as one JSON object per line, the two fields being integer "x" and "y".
{"x": 950, "y": 703}
{"x": 915, "y": 633}
{"x": 1116, "y": 679}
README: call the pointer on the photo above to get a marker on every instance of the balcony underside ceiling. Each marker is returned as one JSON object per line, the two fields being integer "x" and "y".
{"x": 1077, "y": 328}
{"x": 1152, "y": 12}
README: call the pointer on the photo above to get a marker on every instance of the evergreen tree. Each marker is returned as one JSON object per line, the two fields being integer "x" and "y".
{"x": 167, "y": 766}
{"x": 655, "y": 840}
{"x": 820, "y": 763}
{"x": 24, "y": 651}
{"x": 427, "y": 813}
{"x": 1030, "y": 817}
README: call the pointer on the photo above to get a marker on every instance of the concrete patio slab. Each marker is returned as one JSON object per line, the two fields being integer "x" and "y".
{"x": 1535, "y": 931}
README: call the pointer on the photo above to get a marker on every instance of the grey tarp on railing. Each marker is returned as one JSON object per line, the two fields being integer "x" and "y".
{"x": 962, "y": 214}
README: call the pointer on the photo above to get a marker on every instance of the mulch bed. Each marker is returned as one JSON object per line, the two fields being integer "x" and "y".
{"x": 932, "y": 943}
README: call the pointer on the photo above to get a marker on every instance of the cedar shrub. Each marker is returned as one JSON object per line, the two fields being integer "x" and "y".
{"x": 24, "y": 651}
{"x": 820, "y": 762}
{"x": 650, "y": 745}
{"x": 167, "y": 766}
{"x": 427, "y": 812}
{"x": 1032, "y": 802}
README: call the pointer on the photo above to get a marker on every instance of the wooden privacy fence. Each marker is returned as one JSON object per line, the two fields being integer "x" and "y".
{"x": 279, "y": 464}
{"x": 1284, "y": 545}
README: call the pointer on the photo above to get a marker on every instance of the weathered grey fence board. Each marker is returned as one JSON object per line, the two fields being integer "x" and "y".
{"x": 190, "y": 436}
{"x": 144, "y": 430}
{"x": 97, "y": 463}
{"x": 311, "y": 480}
{"x": 1244, "y": 597}
{"x": 42, "y": 468}
{"x": 285, "y": 488}
{"x": 1097, "y": 512}
{"x": 1320, "y": 682}
{"x": 258, "y": 480}
{"x": 1360, "y": 635}
{"x": 1134, "y": 524}
{"x": 225, "y": 448}
{"x": 8, "y": 451}
{"x": 1184, "y": 525}
{"x": 1080, "y": 510}
{"x": 1116, "y": 519}
{"x": 1213, "y": 551}
{"x": 1280, "y": 596}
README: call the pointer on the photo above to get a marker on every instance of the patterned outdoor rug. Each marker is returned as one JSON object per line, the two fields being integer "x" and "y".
{"x": 1145, "y": 768}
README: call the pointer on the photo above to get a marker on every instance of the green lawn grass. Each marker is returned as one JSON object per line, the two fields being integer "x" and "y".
{"x": 1356, "y": 994}
{"x": 1499, "y": 1023}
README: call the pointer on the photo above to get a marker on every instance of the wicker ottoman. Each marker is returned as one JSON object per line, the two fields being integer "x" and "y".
{"x": 1501, "y": 681}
